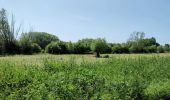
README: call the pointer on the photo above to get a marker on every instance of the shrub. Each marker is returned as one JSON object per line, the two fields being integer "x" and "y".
{"x": 11, "y": 47}
{"x": 152, "y": 49}
{"x": 70, "y": 47}
{"x": 79, "y": 48}
{"x": 160, "y": 49}
{"x": 29, "y": 48}
{"x": 35, "y": 48}
{"x": 63, "y": 47}
{"x": 132, "y": 49}
{"x": 166, "y": 48}
{"x": 52, "y": 48}
{"x": 41, "y": 38}
{"x": 25, "y": 48}
{"x": 117, "y": 49}
{"x": 56, "y": 48}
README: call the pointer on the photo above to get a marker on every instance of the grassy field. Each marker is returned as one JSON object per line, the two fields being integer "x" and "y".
{"x": 84, "y": 77}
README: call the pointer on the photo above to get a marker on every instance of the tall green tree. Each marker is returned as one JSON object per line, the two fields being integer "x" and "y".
{"x": 41, "y": 38}
{"x": 8, "y": 33}
{"x": 99, "y": 46}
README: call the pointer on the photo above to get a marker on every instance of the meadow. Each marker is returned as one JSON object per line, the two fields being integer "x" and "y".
{"x": 84, "y": 77}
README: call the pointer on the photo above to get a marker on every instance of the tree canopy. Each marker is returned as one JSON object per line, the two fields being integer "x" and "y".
{"x": 99, "y": 46}
{"x": 41, "y": 38}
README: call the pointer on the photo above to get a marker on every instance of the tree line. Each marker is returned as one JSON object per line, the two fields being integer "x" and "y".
{"x": 42, "y": 42}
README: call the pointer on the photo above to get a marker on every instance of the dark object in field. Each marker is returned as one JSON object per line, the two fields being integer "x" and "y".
{"x": 106, "y": 56}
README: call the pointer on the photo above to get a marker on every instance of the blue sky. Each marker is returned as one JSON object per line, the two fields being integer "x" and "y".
{"x": 114, "y": 20}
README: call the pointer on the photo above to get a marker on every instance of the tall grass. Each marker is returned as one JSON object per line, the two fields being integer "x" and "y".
{"x": 85, "y": 77}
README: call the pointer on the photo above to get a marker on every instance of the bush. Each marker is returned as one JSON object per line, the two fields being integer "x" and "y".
{"x": 118, "y": 48}
{"x": 25, "y": 48}
{"x": 160, "y": 49}
{"x": 152, "y": 49}
{"x": 70, "y": 47}
{"x": 41, "y": 38}
{"x": 52, "y": 48}
{"x": 35, "y": 48}
{"x": 63, "y": 48}
{"x": 56, "y": 48}
{"x": 79, "y": 48}
{"x": 166, "y": 48}
{"x": 29, "y": 48}
{"x": 12, "y": 48}
{"x": 108, "y": 49}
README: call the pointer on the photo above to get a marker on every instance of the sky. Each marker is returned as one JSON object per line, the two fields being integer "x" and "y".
{"x": 113, "y": 20}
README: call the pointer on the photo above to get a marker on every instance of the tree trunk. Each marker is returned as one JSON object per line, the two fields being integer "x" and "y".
{"x": 97, "y": 54}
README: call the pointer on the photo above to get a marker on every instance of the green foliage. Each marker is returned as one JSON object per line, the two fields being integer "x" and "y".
{"x": 160, "y": 49}
{"x": 52, "y": 48}
{"x": 35, "y": 48}
{"x": 79, "y": 48}
{"x": 56, "y": 48}
{"x": 51, "y": 77}
{"x": 99, "y": 46}
{"x": 162, "y": 91}
{"x": 70, "y": 47}
{"x": 150, "y": 49}
{"x": 86, "y": 44}
{"x": 118, "y": 48}
{"x": 41, "y": 38}
{"x": 138, "y": 44}
{"x": 26, "y": 47}
{"x": 8, "y": 34}
{"x": 1, "y": 47}
{"x": 166, "y": 48}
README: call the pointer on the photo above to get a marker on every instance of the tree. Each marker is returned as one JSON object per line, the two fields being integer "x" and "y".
{"x": 160, "y": 49}
{"x": 1, "y": 46}
{"x": 70, "y": 47}
{"x": 136, "y": 36}
{"x": 99, "y": 46}
{"x": 52, "y": 48}
{"x": 35, "y": 48}
{"x": 149, "y": 41}
{"x": 80, "y": 48}
{"x": 150, "y": 49}
{"x": 8, "y": 34}
{"x": 117, "y": 48}
{"x": 25, "y": 44}
{"x": 166, "y": 48}
{"x": 108, "y": 49}
{"x": 86, "y": 43}
{"x": 135, "y": 42}
{"x": 41, "y": 38}
{"x": 63, "y": 47}
{"x": 83, "y": 46}
{"x": 56, "y": 48}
